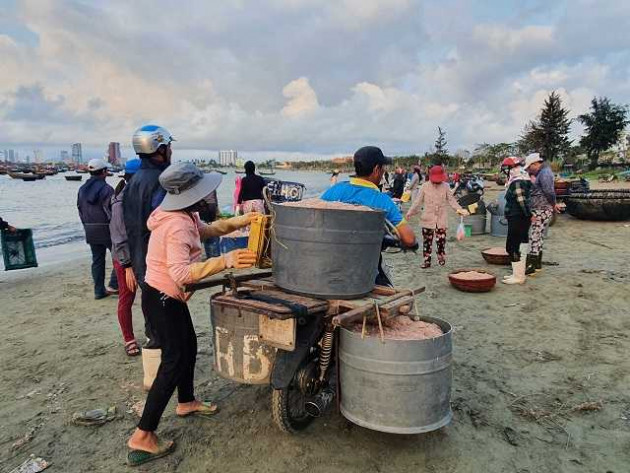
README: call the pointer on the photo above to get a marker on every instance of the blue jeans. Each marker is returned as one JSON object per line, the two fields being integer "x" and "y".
{"x": 212, "y": 248}
{"x": 98, "y": 270}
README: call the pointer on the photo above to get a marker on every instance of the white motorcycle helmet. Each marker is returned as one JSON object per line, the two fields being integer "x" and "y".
{"x": 147, "y": 139}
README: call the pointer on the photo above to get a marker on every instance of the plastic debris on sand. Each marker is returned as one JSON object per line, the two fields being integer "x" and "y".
{"x": 32, "y": 465}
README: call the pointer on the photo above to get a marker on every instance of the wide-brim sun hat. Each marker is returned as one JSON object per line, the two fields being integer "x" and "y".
{"x": 437, "y": 175}
{"x": 186, "y": 185}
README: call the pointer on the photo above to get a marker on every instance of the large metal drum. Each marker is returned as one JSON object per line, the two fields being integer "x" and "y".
{"x": 239, "y": 354}
{"x": 326, "y": 253}
{"x": 498, "y": 222}
{"x": 399, "y": 386}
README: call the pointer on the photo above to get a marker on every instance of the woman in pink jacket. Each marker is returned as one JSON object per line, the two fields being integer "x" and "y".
{"x": 174, "y": 260}
{"x": 434, "y": 196}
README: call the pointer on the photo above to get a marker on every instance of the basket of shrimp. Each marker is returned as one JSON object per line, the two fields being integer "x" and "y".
{"x": 496, "y": 255}
{"x": 472, "y": 280}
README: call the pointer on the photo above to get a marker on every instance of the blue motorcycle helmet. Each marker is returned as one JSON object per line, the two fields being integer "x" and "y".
{"x": 132, "y": 166}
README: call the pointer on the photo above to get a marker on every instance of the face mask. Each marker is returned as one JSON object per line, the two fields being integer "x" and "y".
{"x": 516, "y": 172}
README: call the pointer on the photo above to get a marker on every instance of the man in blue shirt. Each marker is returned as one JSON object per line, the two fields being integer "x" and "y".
{"x": 369, "y": 166}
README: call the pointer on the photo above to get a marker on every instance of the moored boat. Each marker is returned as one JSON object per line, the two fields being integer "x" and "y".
{"x": 75, "y": 177}
{"x": 601, "y": 205}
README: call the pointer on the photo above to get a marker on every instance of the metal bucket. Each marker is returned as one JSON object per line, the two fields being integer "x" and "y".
{"x": 399, "y": 386}
{"x": 326, "y": 253}
{"x": 239, "y": 354}
{"x": 477, "y": 223}
{"x": 498, "y": 226}
{"x": 498, "y": 222}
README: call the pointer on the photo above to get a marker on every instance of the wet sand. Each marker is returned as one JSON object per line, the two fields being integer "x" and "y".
{"x": 527, "y": 359}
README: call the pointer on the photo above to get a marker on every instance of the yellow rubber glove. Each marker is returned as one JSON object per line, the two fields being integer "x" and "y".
{"x": 223, "y": 227}
{"x": 199, "y": 271}
{"x": 240, "y": 259}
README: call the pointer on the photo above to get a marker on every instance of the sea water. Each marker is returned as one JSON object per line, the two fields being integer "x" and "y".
{"x": 49, "y": 207}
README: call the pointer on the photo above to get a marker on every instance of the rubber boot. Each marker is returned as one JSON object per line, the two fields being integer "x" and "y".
{"x": 538, "y": 262}
{"x": 518, "y": 273}
{"x": 530, "y": 265}
{"x": 151, "y": 358}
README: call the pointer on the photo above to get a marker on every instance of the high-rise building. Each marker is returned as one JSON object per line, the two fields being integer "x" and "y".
{"x": 38, "y": 156}
{"x": 228, "y": 157}
{"x": 64, "y": 156}
{"x": 113, "y": 153}
{"x": 77, "y": 154}
{"x": 10, "y": 155}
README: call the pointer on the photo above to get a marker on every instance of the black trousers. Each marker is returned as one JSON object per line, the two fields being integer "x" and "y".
{"x": 171, "y": 320}
{"x": 153, "y": 340}
{"x": 518, "y": 232}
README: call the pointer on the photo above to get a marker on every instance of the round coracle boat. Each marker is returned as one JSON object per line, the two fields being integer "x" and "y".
{"x": 602, "y": 205}
{"x": 472, "y": 280}
{"x": 496, "y": 255}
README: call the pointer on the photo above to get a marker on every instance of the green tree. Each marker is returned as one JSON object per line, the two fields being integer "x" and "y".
{"x": 603, "y": 126}
{"x": 549, "y": 134}
{"x": 441, "y": 153}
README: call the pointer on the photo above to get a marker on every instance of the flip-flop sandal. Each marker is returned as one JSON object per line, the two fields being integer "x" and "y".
{"x": 207, "y": 409}
{"x": 140, "y": 457}
{"x": 132, "y": 348}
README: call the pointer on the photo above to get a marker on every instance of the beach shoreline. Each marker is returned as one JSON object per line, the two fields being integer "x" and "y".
{"x": 527, "y": 359}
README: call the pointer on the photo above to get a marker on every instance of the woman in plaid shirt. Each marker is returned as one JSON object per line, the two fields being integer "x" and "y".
{"x": 518, "y": 213}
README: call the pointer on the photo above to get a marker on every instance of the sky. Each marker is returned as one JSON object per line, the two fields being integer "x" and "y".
{"x": 301, "y": 78}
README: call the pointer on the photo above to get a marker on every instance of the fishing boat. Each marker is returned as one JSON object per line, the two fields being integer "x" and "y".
{"x": 216, "y": 170}
{"x": 267, "y": 172}
{"x": 76, "y": 177}
{"x": 240, "y": 171}
{"x": 26, "y": 176}
{"x": 601, "y": 205}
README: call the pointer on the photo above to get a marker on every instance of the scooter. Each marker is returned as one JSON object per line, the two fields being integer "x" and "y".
{"x": 469, "y": 184}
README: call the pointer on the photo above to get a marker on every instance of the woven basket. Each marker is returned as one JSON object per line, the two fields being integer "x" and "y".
{"x": 465, "y": 285}
{"x": 502, "y": 260}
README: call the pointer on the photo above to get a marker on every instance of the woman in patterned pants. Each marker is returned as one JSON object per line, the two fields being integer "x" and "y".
{"x": 427, "y": 245}
{"x": 543, "y": 207}
{"x": 434, "y": 198}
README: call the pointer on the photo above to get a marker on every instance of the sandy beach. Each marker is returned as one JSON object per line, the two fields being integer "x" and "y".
{"x": 541, "y": 375}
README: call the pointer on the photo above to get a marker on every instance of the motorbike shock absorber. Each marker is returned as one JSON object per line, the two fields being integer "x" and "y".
{"x": 326, "y": 352}
{"x": 318, "y": 404}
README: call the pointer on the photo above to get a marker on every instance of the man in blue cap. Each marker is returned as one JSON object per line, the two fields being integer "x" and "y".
{"x": 369, "y": 166}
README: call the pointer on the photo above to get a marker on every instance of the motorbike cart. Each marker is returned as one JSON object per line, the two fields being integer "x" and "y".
{"x": 264, "y": 335}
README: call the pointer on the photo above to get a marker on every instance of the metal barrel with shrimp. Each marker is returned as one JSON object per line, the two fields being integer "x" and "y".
{"x": 396, "y": 386}
{"x": 328, "y": 250}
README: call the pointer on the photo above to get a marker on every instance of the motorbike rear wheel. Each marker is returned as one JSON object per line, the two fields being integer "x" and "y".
{"x": 288, "y": 404}
{"x": 287, "y": 408}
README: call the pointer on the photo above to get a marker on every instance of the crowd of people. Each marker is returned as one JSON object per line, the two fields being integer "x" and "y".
{"x": 163, "y": 217}
{"x": 152, "y": 226}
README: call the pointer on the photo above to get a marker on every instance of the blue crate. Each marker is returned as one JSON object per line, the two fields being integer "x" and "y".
{"x": 228, "y": 244}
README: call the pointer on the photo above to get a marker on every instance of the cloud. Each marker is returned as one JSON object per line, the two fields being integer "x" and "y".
{"x": 302, "y": 98}
{"x": 309, "y": 76}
